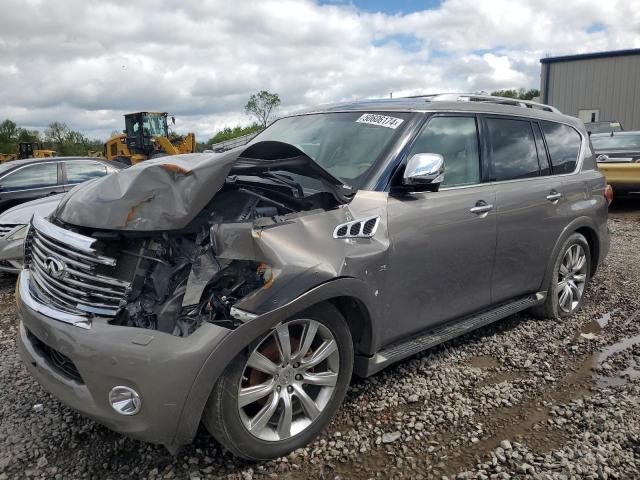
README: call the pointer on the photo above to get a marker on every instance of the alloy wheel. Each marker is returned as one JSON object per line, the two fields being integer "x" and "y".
{"x": 572, "y": 277}
{"x": 288, "y": 380}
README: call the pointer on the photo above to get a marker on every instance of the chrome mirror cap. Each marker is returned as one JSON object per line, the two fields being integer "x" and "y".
{"x": 424, "y": 169}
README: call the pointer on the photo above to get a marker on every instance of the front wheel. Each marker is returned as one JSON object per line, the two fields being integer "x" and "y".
{"x": 284, "y": 389}
{"x": 571, "y": 272}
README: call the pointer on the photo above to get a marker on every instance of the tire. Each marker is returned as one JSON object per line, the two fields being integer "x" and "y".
{"x": 235, "y": 406}
{"x": 558, "y": 304}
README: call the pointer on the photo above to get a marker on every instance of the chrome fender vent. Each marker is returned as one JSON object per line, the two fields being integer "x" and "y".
{"x": 362, "y": 228}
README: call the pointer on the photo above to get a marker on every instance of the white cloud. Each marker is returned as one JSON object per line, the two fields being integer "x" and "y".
{"x": 86, "y": 62}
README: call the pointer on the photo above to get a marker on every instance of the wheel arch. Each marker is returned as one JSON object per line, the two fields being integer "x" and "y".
{"x": 594, "y": 246}
{"x": 358, "y": 319}
{"x": 585, "y": 226}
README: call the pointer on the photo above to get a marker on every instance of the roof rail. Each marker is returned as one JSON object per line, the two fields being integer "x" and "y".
{"x": 484, "y": 98}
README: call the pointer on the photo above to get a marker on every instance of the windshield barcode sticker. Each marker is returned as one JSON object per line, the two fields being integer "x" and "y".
{"x": 381, "y": 120}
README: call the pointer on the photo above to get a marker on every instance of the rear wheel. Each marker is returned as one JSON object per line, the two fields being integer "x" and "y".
{"x": 571, "y": 272}
{"x": 282, "y": 391}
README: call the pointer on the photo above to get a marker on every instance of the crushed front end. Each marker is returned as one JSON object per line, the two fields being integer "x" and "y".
{"x": 126, "y": 298}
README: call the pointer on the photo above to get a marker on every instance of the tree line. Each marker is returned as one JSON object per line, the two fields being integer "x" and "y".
{"x": 57, "y": 136}
{"x": 520, "y": 94}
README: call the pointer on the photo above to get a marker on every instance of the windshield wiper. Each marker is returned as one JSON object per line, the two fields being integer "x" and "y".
{"x": 265, "y": 199}
{"x": 284, "y": 180}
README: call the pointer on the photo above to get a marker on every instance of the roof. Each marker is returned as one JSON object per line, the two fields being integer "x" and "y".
{"x": 422, "y": 104}
{"x": 588, "y": 56}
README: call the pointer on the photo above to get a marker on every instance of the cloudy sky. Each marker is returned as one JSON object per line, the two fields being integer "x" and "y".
{"x": 87, "y": 62}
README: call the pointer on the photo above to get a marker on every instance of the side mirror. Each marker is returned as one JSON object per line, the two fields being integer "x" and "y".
{"x": 424, "y": 171}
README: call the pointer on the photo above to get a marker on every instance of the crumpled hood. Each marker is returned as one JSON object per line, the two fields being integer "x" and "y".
{"x": 21, "y": 214}
{"x": 161, "y": 194}
{"x": 167, "y": 193}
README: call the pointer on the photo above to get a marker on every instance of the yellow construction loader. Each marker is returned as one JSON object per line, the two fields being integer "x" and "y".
{"x": 34, "y": 150}
{"x": 146, "y": 136}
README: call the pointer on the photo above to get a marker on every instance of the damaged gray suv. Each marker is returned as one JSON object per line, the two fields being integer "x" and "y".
{"x": 241, "y": 290}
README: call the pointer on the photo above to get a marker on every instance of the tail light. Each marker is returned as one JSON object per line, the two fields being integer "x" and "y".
{"x": 608, "y": 193}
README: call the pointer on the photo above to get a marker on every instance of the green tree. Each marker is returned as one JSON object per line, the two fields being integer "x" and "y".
{"x": 68, "y": 142}
{"x": 8, "y": 136}
{"x": 262, "y": 105}
{"x": 25, "y": 135}
{"x": 530, "y": 94}
{"x": 57, "y": 133}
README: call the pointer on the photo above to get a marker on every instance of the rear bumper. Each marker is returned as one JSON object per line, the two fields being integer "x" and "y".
{"x": 160, "y": 367}
{"x": 623, "y": 177}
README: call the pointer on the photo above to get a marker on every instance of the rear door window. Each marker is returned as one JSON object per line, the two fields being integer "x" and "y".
{"x": 512, "y": 149}
{"x": 32, "y": 176}
{"x": 563, "y": 143}
{"x": 456, "y": 139}
{"x": 78, "y": 172}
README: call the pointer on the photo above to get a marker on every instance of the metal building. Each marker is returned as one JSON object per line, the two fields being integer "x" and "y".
{"x": 594, "y": 86}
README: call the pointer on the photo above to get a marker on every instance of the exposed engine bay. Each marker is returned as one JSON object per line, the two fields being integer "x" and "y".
{"x": 178, "y": 279}
{"x": 170, "y": 265}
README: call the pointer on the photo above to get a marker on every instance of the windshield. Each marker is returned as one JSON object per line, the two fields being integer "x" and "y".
{"x": 346, "y": 144}
{"x": 5, "y": 166}
{"x": 617, "y": 142}
{"x": 155, "y": 126}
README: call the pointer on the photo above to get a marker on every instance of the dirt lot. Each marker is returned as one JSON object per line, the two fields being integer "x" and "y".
{"x": 520, "y": 399}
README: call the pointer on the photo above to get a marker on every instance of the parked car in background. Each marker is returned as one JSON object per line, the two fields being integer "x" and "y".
{"x": 603, "y": 127}
{"x": 618, "y": 157}
{"x": 13, "y": 229}
{"x": 25, "y": 180}
{"x": 241, "y": 289}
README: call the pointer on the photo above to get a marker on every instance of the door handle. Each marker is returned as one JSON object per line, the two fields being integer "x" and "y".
{"x": 481, "y": 208}
{"x": 554, "y": 196}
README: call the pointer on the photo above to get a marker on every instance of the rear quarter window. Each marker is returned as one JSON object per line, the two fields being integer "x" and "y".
{"x": 563, "y": 143}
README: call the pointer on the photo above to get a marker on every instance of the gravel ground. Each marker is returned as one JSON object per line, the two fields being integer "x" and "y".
{"x": 520, "y": 399}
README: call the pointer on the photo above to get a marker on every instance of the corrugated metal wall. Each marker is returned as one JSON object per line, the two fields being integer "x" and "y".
{"x": 611, "y": 85}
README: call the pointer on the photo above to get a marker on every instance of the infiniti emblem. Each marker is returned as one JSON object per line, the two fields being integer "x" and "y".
{"x": 55, "y": 267}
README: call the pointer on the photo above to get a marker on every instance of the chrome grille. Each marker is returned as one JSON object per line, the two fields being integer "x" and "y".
{"x": 5, "y": 228}
{"x": 69, "y": 273}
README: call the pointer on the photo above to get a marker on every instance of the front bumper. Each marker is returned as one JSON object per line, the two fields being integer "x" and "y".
{"x": 162, "y": 368}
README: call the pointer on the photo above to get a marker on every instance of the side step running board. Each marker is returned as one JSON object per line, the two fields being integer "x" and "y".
{"x": 365, "y": 366}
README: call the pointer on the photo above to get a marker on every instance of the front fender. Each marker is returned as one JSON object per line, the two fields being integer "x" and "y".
{"x": 247, "y": 333}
